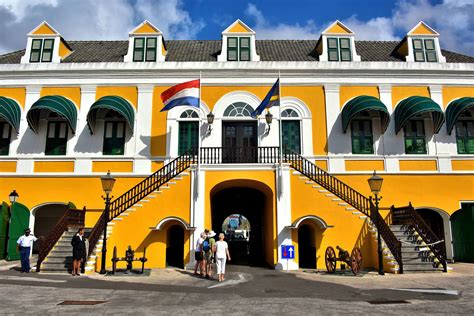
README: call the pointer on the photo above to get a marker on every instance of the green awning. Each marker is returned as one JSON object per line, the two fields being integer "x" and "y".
{"x": 364, "y": 103}
{"x": 114, "y": 103}
{"x": 454, "y": 110}
{"x": 10, "y": 111}
{"x": 416, "y": 105}
{"x": 60, "y": 105}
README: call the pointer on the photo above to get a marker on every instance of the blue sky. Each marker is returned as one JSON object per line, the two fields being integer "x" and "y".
{"x": 205, "y": 19}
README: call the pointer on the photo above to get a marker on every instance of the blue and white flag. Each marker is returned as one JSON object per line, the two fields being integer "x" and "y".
{"x": 271, "y": 99}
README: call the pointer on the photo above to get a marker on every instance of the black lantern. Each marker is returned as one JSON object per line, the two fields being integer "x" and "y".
{"x": 375, "y": 183}
{"x": 210, "y": 118}
{"x": 13, "y": 196}
{"x": 107, "y": 185}
{"x": 268, "y": 118}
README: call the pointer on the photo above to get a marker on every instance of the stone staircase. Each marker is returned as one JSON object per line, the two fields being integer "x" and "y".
{"x": 59, "y": 260}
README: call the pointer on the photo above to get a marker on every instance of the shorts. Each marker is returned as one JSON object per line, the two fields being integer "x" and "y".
{"x": 198, "y": 256}
{"x": 208, "y": 256}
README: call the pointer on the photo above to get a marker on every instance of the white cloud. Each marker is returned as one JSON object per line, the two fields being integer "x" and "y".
{"x": 92, "y": 19}
{"x": 376, "y": 29}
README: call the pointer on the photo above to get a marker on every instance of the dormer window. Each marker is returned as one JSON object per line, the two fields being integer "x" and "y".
{"x": 41, "y": 50}
{"x": 238, "y": 48}
{"x": 339, "y": 49}
{"x": 144, "y": 49}
{"x": 424, "y": 50}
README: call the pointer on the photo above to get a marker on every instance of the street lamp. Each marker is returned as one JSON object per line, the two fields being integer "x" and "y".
{"x": 375, "y": 184}
{"x": 268, "y": 119}
{"x": 107, "y": 185}
{"x": 13, "y": 197}
{"x": 210, "y": 120}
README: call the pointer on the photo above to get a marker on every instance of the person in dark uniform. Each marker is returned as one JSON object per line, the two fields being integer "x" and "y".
{"x": 78, "y": 243}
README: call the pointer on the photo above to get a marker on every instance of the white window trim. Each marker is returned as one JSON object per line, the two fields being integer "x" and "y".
{"x": 324, "y": 55}
{"x": 226, "y": 34}
{"x": 411, "y": 52}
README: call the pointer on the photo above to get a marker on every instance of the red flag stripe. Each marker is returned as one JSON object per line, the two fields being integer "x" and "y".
{"x": 175, "y": 89}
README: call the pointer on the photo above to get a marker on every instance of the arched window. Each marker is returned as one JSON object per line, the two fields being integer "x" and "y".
{"x": 291, "y": 131}
{"x": 238, "y": 109}
{"x": 289, "y": 113}
{"x": 189, "y": 114}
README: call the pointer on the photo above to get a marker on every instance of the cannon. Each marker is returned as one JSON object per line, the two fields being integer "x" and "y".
{"x": 129, "y": 258}
{"x": 354, "y": 260}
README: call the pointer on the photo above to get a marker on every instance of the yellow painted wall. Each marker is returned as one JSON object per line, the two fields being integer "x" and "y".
{"x": 238, "y": 28}
{"x": 452, "y": 93}
{"x": 347, "y": 93}
{"x": 44, "y": 30}
{"x": 402, "y": 92}
{"x": 128, "y": 93}
{"x": 462, "y": 165}
{"x": 113, "y": 166}
{"x": 54, "y": 166}
{"x": 323, "y": 164}
{"x": 156, "y": 165}
{"x": 364, "y": 165}
{"x": 72, "y": 93}
{"x": 422, "y": 30}
{"x": 64, "y": 51}
{"x": 8, "y": 166}
{"x": 146, "y": 29}
{"x": 338, "y": 29}
{"x": 418, "y": 165}
{"x": 17, "y": 94}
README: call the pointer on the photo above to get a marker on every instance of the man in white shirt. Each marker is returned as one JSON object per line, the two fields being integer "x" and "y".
{"x": 24, "y": 245}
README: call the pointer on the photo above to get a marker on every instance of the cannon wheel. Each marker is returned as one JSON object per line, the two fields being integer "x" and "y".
{"x": 330, "y": 259}
{"x": 356, "y": 260}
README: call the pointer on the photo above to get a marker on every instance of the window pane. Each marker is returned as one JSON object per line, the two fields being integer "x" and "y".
{"x": 345, "y": 43}
{"x": 409, "y": 145}
{"x": 470, "y": 128}
{"x": 245, "y": 55}
{"x": 420, "y": 130}
{"x": 46, "y": 56}
{"x": 245, "y": 42}
{"x": 470, "y": 145}
{"x": 429, "y": 44}
{"x": 368, "y": 145}
{"x": 232, "y": 54}
{"x": 420, "y": 146}
{"x": 419, "y": 56}
{"x": 333, "y": 56}
{"x": 332, "y": 43}
{"x": 62, "y": 130}
{"x": 345, "y": 55}
{"x": 367, "y": 128}
{"x": 460, "y": 130}
{"x": 120, "y": 130}
{"x": 356, "y": 145}
{"x": 431, "y": 56}
{"x": 151, "y": 42}
{"x": 355, "y": 128}
{"x": 51, "y": 130}
{"x": 139, "y": 42}
{"x": 417, "y": 44}
{"x": 36, "y": 44}
{"x": 108, "y": 129}
{"x": 138, "y": 55}
{"x": 151, "y": 55}
{"x": 48, "y": 44}
{"x": 460, "y": 145}
{"x": 6, "y": 131}
{"x": 232, "y": 42}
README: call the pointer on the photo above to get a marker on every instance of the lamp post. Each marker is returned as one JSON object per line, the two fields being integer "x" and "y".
{"x": 107, "y": 185}
{"x": 375, "y": 184}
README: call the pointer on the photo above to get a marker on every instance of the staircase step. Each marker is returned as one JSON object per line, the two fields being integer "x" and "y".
{"x": 349, "y": 208}
{"x": 356, "y": 213}
{"x": 336, "y": 199}
{"x": 323, "y": 191}
{"x": 343, "y": 204}
{"x": 330, "y": 195}
{"x": 316, "y": 186}
{"x": 309, "y": 182}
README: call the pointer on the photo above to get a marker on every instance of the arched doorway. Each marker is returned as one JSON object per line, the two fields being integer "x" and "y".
{"x": 306, "y": 247}
{"x": 438, "y": 221}
{"x": 175, "y": 246}
{"x": 245, "y": 205}
{"x": 44, "y": 217}
{"x": 462, "y": 223}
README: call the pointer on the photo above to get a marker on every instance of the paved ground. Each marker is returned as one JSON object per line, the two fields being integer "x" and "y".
{"x": 246, "y": 290}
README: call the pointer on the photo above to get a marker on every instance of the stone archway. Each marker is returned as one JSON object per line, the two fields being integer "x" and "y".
{"x": 439, "y": 222}
{"x": 44, "y": 217}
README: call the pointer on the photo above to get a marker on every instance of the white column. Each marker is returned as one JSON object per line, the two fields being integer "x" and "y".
{"x": 284, "y": 217}
{"x": 338, "y": 142}
{"x": 143, "y": 128}
{"x": 197, "y": 210}
{"x": 25, "y": 165}
{"x": 391, "y": 144}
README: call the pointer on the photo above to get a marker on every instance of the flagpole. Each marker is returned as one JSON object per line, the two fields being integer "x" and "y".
{"x": 280, "y": 123}
{"x": 199, "y": 125}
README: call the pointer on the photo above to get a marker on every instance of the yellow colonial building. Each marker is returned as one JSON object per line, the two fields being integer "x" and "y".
{"x": 72, "y": 110}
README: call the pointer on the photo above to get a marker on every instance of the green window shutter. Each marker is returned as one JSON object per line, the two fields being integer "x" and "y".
{"x": 5, "y": 134}
{"x": 244, "y": 47}
{"x": 36, "y": 45}
{"x": 138, "y": 49}
{"x": 188, "y": 136}
{"x": 430, "y": 50}
{"x": 333, "y": 49}
{"x": 415, "y": 139}
{"x": 56, "y": 138}
{"x": 151, "y": 49}
{"x": 465, "y": 137}
{"x": 232, "y": 48}
{"x": 345, "y": 47}
{"x": 418, "y": 50}
{"x": 114, "y": 138}
{"x": 291, "y": 135}
{"x": 362, "y": 137}
{"x": 47, "y": 54}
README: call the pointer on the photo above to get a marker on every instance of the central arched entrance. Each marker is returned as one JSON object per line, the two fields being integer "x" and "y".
{"x": 244, "y": 214}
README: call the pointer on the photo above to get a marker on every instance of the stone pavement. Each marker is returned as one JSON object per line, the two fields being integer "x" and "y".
{"x": 246, "y": 291}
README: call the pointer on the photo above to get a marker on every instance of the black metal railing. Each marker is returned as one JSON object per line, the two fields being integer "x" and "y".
{"x": 409, "y": 216}
{"x": 223, "y": 155}
{"x": 350, "y": 196}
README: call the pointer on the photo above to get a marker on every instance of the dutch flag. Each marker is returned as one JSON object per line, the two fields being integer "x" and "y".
{"x": 186, "y": 93}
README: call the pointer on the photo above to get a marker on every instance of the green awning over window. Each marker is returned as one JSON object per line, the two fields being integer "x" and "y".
{"x": 114, "y": 103}
{"x": 454, "y": 110}
{"x": 364, "y": 103}
{"x": 416, "y": 105}
{"x": 10, "y": 111}
{"x": 60, "y": 105}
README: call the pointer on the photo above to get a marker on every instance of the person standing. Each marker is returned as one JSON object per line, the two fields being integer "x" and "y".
{"x": 209, "y": 252}
{"x": 78, "y": 243}
{"x": 23, "y": 245}
{"x": 198, "y": 255}
{"x": 222, "y": 252}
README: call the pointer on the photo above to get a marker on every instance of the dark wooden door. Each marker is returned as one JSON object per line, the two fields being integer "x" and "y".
{"x": 239, "y": 142}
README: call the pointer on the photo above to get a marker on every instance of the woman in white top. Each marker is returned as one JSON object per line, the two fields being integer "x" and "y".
{"x": 222, "y": 252}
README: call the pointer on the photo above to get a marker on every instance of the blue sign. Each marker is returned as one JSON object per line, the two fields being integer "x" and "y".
{"x": 288, "y": 252}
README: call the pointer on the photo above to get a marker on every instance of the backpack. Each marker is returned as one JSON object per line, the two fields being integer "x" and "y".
{"x": 206, "y": 245}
